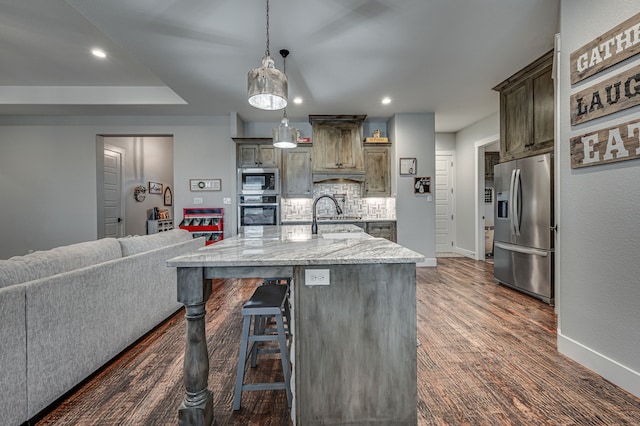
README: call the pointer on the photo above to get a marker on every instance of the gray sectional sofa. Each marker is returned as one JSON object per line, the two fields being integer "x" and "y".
{"x": 66, "y": 312}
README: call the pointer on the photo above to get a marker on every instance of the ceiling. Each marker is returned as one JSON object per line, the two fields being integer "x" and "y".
{"x": 191, "y": 57}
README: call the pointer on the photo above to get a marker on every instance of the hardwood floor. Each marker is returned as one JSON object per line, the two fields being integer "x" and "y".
{"x": 487, "y": 357}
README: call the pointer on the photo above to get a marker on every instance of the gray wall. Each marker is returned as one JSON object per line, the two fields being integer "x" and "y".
{"x": 48, "y": 173}
{"x": 465, "y": 178}
{"x": 445, "y": 141}
{"x": 413, "y": 135}
{"x": 599, "y": 237}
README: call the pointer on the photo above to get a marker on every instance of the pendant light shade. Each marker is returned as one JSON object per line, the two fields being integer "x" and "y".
{"x": 266, "y": 86}
{"x": 285, "y": 136}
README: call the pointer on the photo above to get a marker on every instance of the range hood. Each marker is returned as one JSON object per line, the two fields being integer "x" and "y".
{"x": 337, "y": 177}
{"x": 337, "y": 139}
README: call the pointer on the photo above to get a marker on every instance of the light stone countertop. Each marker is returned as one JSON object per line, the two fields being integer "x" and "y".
{"x": 291, "y": 245}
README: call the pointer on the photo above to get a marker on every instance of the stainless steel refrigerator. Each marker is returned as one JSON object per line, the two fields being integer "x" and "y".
{"x": 524, "y": 226}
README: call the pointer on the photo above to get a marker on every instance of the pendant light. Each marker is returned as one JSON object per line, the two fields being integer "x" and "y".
{"x": 283, "y": 135}
{"x": 267, "y": 87}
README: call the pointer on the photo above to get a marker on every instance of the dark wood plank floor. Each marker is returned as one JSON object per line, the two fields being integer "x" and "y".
{"x": 487, "y": 357}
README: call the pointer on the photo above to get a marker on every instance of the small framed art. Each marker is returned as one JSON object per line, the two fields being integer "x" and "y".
{"x": 422, "y": 185}
{"x": 408, "y": 166}
{"x": 168, "y": 197}
{"x": 155, "y": 188}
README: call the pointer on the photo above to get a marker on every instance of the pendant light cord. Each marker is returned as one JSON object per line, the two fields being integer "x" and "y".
{"x": 267, "y": 52}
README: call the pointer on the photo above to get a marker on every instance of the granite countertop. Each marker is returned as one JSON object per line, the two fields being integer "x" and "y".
{"x": 291, "y": 245}
{"x": 336, "y": 219}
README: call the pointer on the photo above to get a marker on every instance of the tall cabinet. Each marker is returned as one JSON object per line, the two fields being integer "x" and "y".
{"x": 377, "y": 165}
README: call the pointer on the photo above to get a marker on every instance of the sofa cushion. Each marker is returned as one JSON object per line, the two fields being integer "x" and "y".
{"x": 40, "y": 264}
{"x": 142, "y": 243}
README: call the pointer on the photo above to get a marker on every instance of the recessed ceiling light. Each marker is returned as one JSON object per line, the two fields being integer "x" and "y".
{"x": 386, "y": 100}
{"x": 297, "y": 100}
{"x": 99, "y": 53}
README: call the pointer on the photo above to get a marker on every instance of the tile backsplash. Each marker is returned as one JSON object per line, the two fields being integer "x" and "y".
{"x": 354, "y": 205}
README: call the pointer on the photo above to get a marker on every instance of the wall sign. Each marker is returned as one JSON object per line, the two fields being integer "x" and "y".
{"x": 422, "y": 185}
{"x": 612, "y": 47}
{"x": 608, "y": 145}
{"x": 612, "y": 95}
{"x": 205, "y": 184}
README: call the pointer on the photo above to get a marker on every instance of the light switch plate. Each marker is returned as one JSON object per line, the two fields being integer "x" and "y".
{"x": 316, "y": 277}
{"x": 198, "y": 200}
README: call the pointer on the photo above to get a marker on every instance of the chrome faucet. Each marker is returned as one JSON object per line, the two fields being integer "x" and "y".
{"x": 314, "y": 224}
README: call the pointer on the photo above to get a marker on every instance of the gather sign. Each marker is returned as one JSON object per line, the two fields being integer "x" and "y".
{"x": 612, "y": 47}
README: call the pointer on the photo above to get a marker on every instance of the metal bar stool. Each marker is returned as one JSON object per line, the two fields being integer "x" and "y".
{"x": 267, "y": 301}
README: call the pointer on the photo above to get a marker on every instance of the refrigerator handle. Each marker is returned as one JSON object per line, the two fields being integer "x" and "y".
{"x": 511, "y": 199}
{"x": 516, "y": 202}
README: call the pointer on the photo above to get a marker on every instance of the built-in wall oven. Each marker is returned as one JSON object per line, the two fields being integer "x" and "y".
{"x": 258, "y": 210}
{"x": 258, "y": 197}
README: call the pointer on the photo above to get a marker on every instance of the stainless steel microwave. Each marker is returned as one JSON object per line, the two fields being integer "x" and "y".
{"x": 259, "y": 181}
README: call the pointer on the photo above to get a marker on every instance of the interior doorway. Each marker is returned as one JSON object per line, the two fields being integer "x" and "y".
{"x": 480, "y": 212}
{"x": 113, "y": 223}
{"x": 445, "y": 203}
{"x": 146, "y": 162}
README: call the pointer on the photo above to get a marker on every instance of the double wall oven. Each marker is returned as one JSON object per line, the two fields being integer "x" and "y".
{"x": 258, "y": 197}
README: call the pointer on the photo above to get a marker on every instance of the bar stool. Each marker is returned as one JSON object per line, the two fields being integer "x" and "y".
{"x": 266, "y": 301}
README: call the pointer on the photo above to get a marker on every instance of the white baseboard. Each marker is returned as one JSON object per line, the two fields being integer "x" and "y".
{"x": 466, "y": 253}
{"x": 428, "y": 263}
{"x": 609, "y": 369}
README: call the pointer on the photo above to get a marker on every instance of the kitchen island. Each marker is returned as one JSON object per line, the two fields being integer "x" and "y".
{"x": 354, "y": 356}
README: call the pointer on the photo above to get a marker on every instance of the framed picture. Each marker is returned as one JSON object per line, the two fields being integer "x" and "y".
{"x": 168, "y": 197}
{"x": 155, "y": 188}
{"x": 408, "y": 166}
{"x": 422, "y": 185}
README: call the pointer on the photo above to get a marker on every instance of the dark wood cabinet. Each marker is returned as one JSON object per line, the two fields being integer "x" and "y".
{"x": 526, "y": 111}
{"x": 377, "y": 165}
{"x": 490, "y": 160}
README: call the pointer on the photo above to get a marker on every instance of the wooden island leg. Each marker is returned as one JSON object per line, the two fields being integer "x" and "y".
{"x": 197, "y": 407}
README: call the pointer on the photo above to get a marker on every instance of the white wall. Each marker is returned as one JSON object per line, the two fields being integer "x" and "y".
{"x": 599, "y": 237}
{"x": 413, "y": 135}
{"x": 48, "y": 173}
{"x": 465, "y": 177}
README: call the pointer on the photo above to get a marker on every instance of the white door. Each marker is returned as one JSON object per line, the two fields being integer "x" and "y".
{"x": 113, "y": 215}
{"x": 444, "y": 202}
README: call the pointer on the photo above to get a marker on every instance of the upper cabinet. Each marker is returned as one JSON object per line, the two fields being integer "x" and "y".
{"x": 526, "y": 111}
{"x": 490, "y": 160}
{"x": 296, "y": 173}
{"x": 337, "y": 144}
{"x": 256, "y": 152}
{"x": 377, "y": 164}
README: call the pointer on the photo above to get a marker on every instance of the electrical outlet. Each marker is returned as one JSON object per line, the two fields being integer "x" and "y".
{"x": 198, "y": 200}
{"x": 316, "y": 277}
